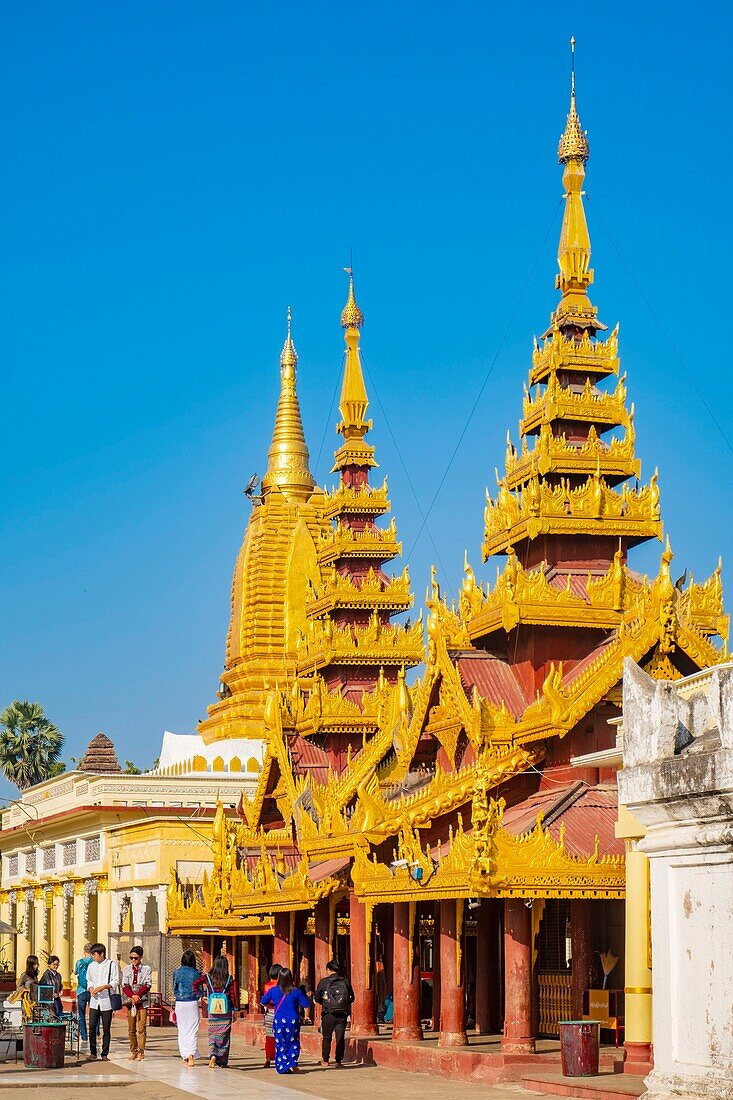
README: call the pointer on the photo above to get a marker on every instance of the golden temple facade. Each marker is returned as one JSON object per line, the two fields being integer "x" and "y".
{"x": 463, "y": 826}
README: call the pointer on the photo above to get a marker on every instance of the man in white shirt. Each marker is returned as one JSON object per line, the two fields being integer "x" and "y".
{"x": 103, "y": 979}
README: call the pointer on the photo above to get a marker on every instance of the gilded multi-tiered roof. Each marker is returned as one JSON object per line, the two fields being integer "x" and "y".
{"x": 512, "y": 668}
{"x": 351, "y": 605}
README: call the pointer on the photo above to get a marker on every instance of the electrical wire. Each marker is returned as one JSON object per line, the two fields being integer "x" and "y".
{"x": 487, "y": 376}
{"x": 328, "y": 418}
{"x": 383, "y": 411}
{"x": 662, "y": 329}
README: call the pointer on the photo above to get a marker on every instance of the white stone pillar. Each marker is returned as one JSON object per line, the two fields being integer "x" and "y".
{"x": 139, "y": 901}
{"x": 162, "y": 895}
{"x": 80, "y": 926}
{"x": 104, "y": 926}
{"x": 24, "y": 916}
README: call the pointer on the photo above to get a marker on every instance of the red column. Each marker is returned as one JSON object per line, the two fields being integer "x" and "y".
{"x": 487, "y": 967}
{"x": 406, "y": 974}
{"x": 452, "y": 990}
{"x": 321, "y": 920}
{"x": 581, "y": 948}
{"x": 253, "y": 975}
{"x": 518, "y": 1032}
{"x": 281, "y": 946}
{"x": 363, "y": 1015}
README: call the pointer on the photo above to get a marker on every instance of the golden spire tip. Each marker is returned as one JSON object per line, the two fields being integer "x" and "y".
{"x": 574, "y": 141}
{"x": 351, "y": 315}
{"x": 289, "y": 356}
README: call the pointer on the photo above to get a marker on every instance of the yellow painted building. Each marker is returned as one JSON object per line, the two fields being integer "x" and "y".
{"x": 90, "y": 855}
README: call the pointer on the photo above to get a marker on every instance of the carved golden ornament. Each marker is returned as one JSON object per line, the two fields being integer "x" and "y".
{"x": 574, "y": 140}
{"x": 584, "y": 356}
{"x": 592, "y": 507}
{"x": 659, "y": 667}
{"x": 371, "y": 542}
{"x": 376, "y": 643}
{"x": 351, "y": 316}
{"x": 555, "y": 455}
{"x": 488, "y": 861}
{"x": 590, "y": 404}
{"x": 340, "y": 590}
{"x": 701, "y": 606}
{"x": 533, "y": 596}
{"x": 361, "y": 500}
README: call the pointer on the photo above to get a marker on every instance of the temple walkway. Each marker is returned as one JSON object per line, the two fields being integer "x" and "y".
{"x": 163, "y": 1076}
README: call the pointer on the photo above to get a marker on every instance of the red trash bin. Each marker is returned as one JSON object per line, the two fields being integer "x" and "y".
{"x": 579, "y": 1043}
{"x": 43, "y": 1045}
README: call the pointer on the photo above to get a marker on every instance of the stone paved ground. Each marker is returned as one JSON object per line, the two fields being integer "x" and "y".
{"x": 163, "y": 1077}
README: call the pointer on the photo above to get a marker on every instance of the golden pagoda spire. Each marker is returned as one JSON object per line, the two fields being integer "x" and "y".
{"x": 354, "y": 401}
{"x": 573, "y": 256}
{"x": 288, "y": 455}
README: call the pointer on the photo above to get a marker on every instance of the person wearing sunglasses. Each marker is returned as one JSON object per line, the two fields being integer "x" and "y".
{"x": 137, "y": 978}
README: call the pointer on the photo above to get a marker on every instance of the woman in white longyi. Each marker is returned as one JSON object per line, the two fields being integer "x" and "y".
{"x": 187, "y": 1007}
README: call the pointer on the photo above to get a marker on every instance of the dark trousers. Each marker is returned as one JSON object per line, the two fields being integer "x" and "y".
{"x": 333, "y": 1025}
{"x": 82, "y": 1004}
{"x": 95, "y": 1014}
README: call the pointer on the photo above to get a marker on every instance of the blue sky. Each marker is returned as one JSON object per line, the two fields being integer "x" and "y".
{"x": 175, "y": 173}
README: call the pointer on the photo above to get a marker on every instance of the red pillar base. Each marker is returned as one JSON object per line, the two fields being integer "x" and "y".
{"x": 453, "y": 1039}
{"x": 639, "y": 1058}
{"x": 517, "y": 1044}
{"x": 406, "y": 1034}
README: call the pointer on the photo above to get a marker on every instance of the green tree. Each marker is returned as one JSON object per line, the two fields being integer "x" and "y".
{"x": 131, "y": 769}
{"x": 30, "y": 744}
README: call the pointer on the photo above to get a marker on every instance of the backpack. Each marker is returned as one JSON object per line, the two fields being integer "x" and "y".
{"x": 217, "y": 1003}
{"x": 337, "y": 996}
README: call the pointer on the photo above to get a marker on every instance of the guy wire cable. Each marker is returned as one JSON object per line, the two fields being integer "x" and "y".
{"x": 479, "y": 395}
{"x": 383, "y": 411}
{"x": 662, "y": 329}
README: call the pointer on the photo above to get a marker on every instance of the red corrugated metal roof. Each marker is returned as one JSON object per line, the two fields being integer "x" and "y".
{"x": 327, "y": 867}
{"x": 586, "y": 812}
{"x": 253, "y": 856}
{"x": 307, "y": 756}
{"x": 578, "y": 584}
{"x": 580, "y": 667}
{"x": 494, "y": 680}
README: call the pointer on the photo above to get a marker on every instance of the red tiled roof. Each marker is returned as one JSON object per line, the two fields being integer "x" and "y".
{"x": 494, "y": 680}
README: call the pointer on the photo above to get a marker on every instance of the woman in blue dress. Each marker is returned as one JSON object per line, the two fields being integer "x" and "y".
{"x": 287, "y": 1000}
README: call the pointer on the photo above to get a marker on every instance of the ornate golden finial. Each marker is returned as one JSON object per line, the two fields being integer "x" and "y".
{"x": 574, "y": 141}
{"x": 288, "y": 455}
{"x": 351, "y": 315}
{"x": 289, "y": 356}
{"x": 354, "y": 402}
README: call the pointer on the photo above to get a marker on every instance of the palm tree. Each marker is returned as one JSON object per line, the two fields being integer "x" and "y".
{"x": 30, "y": 744}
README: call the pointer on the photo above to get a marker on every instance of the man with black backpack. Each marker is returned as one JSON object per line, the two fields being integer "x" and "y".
{"x": 335, "y": 996}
